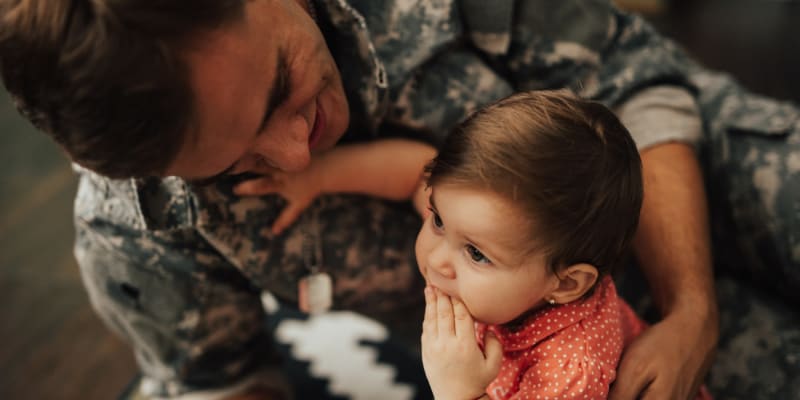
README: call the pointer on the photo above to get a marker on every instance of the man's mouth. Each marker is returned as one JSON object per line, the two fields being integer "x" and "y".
{"x": 318, "y": 128}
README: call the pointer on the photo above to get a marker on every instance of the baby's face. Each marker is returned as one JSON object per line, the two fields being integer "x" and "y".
{"x": 475, "y": 246}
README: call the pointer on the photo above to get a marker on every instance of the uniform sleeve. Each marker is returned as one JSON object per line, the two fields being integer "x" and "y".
{"x": 600, "y": 53}
{"x": 194, "y": 322}
{"x": 661, "y": 114}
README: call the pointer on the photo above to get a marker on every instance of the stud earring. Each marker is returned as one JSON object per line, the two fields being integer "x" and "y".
{"x": 552, "y": 301}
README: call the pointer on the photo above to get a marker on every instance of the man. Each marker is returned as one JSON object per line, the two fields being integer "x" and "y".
{"x": 180, "y": 112}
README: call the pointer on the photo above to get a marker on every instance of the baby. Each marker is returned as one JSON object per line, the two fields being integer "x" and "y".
{"x": 529, "y": 206}
{"x": 533, "y": 203}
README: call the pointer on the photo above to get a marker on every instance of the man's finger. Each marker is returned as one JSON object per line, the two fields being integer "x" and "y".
{"x": 444, "y": 311}
{"x": 632, "y": 379}
{"x": 651, "y": 392}
{"x": 464, "y": 325}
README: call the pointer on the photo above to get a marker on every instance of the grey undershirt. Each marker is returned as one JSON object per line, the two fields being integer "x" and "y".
{"x": 661, "y": 114}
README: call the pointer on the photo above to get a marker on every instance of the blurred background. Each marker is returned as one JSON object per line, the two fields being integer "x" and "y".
{"x": 52, "y": 346}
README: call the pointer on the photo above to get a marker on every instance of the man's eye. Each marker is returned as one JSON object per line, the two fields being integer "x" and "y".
{"x": 476, "y": 255}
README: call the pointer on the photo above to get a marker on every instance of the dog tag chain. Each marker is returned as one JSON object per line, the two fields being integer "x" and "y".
{"x": 315, "y": 290}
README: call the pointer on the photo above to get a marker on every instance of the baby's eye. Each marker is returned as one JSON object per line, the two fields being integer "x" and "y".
{"x": 437, "y": 220}
{"x": 476, "y": 255}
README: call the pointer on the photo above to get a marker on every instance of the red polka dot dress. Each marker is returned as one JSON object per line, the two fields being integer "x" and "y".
{"x": 568, "y": 351}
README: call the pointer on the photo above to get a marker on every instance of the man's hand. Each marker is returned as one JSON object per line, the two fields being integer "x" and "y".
{"x": 455, "y": 366}
{"x": 299, "y": 189}
{"x": 668, "y": 361}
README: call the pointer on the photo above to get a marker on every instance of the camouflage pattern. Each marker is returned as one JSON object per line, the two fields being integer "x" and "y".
{"x": 178, "y": 270}
{"x": 759, "y": 349}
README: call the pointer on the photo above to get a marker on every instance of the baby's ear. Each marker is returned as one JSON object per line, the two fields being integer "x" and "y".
{"x": 574, "y": 282}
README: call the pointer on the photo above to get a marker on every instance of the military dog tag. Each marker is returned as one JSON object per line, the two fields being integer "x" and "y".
{"x": 315, "y": 293}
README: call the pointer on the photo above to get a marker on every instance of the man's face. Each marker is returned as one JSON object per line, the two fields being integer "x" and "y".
{"x": 267, "y": 94}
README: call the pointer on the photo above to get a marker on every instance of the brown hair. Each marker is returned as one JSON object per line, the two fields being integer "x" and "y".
{"x": 103, "y": 77}
{"x": 569, "y": 163}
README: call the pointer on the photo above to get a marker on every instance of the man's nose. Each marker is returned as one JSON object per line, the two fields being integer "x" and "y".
{"x": 286, "y": 147}
{"x": 439, "y": 261}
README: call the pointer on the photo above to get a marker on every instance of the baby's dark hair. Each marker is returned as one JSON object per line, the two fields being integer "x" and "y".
{"x": 569, "y": 163}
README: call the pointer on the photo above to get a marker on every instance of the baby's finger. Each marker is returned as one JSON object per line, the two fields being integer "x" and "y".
{"x": 493, "y": 351}
{"x": 257, "y": 187}
{"x": 429, "y": 322}
{"x": 286, "y": 218}
{"x": 464, "y": 325}
{"x": 444, "y": 311}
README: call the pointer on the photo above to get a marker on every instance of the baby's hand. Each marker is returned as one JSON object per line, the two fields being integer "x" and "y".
{"x": 299, "y": 189}
{"x": 455, "y": 366}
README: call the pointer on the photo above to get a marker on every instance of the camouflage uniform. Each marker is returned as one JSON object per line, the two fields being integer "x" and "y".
{"x": 177, "y": 270}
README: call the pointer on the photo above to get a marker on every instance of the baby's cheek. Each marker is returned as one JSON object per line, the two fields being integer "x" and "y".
{"x": 418, "y": 254}
{"x": 424, "y": 272}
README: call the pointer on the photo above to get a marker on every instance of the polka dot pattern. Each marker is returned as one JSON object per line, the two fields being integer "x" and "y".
{"x": 568, "y": 351}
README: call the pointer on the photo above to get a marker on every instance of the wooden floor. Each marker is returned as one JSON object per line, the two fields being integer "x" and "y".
{"x": 51, "y": 344}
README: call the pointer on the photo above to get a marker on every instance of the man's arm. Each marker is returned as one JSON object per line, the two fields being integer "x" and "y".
{"x": 672, "y": 246}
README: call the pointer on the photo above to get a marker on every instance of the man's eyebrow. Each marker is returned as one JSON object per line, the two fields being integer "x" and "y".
{"x": 278, "y": 91}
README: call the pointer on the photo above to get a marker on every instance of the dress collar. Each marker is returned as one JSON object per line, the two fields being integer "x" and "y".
{"x": 546, "y": 321}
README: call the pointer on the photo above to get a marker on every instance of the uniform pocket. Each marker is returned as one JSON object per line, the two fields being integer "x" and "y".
{"x": 753, "y": 114}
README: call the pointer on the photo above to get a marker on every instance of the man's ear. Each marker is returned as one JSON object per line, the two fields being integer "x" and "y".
{"x": 574, "y": 282}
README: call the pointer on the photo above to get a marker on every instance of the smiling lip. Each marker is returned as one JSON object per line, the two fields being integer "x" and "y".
{"x": 319, "y": 127}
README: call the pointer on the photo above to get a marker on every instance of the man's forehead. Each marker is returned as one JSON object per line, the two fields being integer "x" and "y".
{"x": 229, "y": 78}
